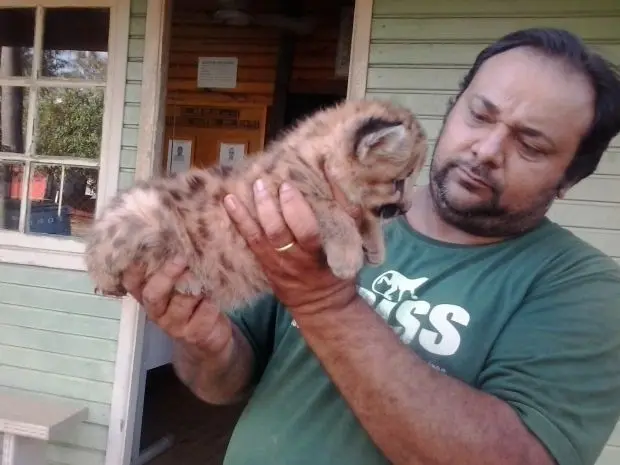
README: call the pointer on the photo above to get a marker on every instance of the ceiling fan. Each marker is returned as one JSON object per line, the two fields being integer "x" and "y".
{"x": 236, "y": 13}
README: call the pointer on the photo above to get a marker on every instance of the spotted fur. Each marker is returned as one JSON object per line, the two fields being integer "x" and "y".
{"x": 374, "y": 149}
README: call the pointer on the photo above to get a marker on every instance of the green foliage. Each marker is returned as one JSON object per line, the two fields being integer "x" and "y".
{"x": 69, "y": 119}
{"x": 69, "y": 122}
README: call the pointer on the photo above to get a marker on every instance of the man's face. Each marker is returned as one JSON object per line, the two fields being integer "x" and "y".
{"x": 505, "y": 145}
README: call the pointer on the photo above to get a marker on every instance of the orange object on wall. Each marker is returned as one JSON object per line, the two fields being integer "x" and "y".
{"x": 209, "y": 126}
{"x": 37, "y": 188}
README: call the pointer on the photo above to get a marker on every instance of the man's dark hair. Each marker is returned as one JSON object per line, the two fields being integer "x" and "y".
{"x": 603, "y": 76}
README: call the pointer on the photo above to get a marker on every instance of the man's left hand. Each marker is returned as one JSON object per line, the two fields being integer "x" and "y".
{"x": 299, "y": 276}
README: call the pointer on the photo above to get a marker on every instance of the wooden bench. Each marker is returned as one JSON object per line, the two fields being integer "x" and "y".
{"x": 27, "y": 424}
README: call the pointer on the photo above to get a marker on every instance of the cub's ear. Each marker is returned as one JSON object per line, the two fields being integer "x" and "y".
{"x": 380, "y": 136}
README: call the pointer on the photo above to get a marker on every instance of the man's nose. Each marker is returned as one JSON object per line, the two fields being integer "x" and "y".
{"x": 491, "y": 146}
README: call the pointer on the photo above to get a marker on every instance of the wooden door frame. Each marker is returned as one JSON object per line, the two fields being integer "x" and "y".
{"x": 128, "y": 394}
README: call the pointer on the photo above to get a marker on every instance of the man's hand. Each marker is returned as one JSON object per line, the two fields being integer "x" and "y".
{"x": 211, "y": 356}
{"x": 192, "y": 320}
{"x": 298, "y": 275}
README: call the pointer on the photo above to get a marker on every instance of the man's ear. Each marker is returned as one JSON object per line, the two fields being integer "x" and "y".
{"x": 563, "y": 189}
{"x": 384, "y": 138}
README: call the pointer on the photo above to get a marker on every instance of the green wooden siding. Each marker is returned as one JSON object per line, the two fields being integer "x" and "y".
{"x": 57, "y": 339}
{"x": 420, "y": 51}
{"x": 131, "y": 116}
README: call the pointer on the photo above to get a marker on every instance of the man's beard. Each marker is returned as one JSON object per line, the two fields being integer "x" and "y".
{"x": 488, "y": 219}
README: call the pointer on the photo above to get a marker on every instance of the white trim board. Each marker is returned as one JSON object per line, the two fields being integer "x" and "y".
{"x": 128, "y": 376}
{"x": 360, "y": 49}
{"x": 63, "y": 252}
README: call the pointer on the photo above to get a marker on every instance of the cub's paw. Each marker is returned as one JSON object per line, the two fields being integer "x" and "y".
{"x": 373, "y": 242}
{"x": 106, "y": 264}
{"x": 117, "y": 292}
{"x": 374, "y": 257}
{"x": 108, "y": 285}
{"x": 344, "y": 261}
{"x": 189, "y": 285}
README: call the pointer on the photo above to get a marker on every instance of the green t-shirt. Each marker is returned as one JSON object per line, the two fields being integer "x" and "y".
{"x": 534, "y": 321}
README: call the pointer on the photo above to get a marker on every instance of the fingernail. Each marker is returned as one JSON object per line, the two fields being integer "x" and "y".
{"x": 259, "y": 187}
{"x": 229, "y": 200}
{"x": 286, "y": 190}
{"x": 179, "y": 260}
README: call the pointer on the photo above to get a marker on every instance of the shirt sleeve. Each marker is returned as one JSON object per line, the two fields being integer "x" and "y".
{"x": 257, "y": 322}
{"x": 557, "y": 361}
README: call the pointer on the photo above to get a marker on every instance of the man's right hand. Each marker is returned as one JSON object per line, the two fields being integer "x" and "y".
{"x": 212, "y": 357}
{"x": 187, "y": 319}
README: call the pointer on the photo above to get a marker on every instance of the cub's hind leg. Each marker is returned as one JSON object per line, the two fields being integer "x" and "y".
{"x": 137, "y": 227}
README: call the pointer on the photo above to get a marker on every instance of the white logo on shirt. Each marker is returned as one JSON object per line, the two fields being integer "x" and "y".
{"x": 393, "y": 297}
{"x": 399, "y": 302}
{"x": 394, "y": 286}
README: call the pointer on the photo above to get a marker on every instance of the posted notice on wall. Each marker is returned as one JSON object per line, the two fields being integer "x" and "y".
{"x": 231, "y": 154}
{"x": 217, "y": 72}
{"x": 179, "y": 155}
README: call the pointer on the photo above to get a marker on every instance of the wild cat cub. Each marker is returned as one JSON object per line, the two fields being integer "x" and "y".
{"x": 373, "y": 149}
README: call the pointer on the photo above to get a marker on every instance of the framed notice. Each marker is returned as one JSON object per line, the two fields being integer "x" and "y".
{"x": 231, "y": 154}
{"x": 217, "y": 72}
{"x": 179, "y": 155}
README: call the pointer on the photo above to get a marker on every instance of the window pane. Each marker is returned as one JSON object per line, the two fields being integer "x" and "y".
{"x": 11, "y": 175}
{"x": 13, "y": 111}
{"x": 16, "y": 41}
{"x": 79, "y": 51}
{"x": 61, "y": 200}
{"x": 69, "y": 122}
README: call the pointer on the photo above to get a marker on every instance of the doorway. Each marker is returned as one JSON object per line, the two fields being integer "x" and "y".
{"x": 238, "y": 73}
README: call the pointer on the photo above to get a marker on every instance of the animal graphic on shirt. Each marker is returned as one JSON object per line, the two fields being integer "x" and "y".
{"x": 393, "y": 285}
{"x": 373, "y": 149}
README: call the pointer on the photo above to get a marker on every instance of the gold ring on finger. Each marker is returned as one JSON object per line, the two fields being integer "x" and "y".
{"x": 285, "y": 247}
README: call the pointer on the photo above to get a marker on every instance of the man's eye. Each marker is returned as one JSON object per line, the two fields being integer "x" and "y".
{"x": 478, "y": 116}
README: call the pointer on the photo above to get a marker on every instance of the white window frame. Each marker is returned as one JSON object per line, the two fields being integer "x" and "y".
{"x": 66, "y": 252}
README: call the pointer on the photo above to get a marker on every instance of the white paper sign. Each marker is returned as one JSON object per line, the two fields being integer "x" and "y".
{"x": 179, "y": 155}
{"x": 231, "y": 154}
{"x": 217, "y": 72}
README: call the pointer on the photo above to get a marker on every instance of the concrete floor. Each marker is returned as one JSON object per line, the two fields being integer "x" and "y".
{"x": 200, "y": 431}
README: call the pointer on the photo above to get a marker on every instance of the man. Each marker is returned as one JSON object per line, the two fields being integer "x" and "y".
{"x": 490, "y": 335}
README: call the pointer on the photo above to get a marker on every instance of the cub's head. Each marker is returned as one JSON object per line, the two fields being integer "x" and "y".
{"x": 376, "y": 152}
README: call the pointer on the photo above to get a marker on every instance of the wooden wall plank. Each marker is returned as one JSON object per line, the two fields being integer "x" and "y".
{"x": 68, "y": 365}
{"x": 52, "y": 383}
{"x": 59, "y": 300}
{"x": 98, "y": 413}
{"x": 479, "y": 8}
{"x": 61, "y": 322}
{"x": 486, "y": 29}
{"x": 67, "y": 344}
{"x": 610, "y": 456}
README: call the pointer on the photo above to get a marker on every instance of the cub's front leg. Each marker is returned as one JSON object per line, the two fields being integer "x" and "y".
{"x": 341, "y": 240}
{"x": 372, "y": 237}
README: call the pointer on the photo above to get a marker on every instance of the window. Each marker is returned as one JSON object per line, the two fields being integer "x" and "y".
{"x": 55, "y": 120}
